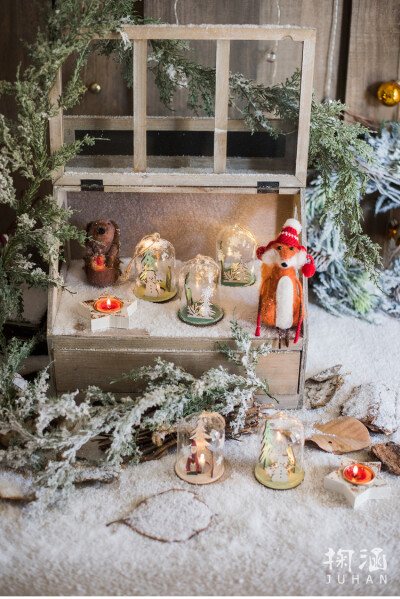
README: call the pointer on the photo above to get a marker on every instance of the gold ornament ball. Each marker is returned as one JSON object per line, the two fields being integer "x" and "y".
{"x": 94, "y": 88}
{"x": 389, "y": 93}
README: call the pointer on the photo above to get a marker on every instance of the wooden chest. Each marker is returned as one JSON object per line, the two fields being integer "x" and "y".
{"x": 187, "y": 199}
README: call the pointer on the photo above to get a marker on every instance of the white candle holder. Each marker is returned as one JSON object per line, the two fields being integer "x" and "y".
{"x": 357, "y": 494}
{"x": 121, "y": 318}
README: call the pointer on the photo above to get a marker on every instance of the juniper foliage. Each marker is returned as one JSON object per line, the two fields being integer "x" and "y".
{"x": 46, "y": 433}
{"x": 384, "y": 174}
{"x": 41, "y": 225}
{"x": 341, "y": 288}
{"x": 390, "y": 285}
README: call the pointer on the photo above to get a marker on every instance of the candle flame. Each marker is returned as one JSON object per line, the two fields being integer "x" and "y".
{"x": 202, "y": 459}
{"x": 108, "y": 303}
{"x": 355, "y": 470}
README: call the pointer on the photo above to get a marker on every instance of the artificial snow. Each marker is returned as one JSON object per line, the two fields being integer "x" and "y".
{"x": 174, "y": 516}
{"x": 157, "y": 319}
{"x": 15, "y": 485}
{"x": 260, "y": 541}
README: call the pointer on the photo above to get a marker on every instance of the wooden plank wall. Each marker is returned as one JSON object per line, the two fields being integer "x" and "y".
{"x": 374, "y": 56}
{"x": 306, "y": 13}
{"x": 367, "y": 49}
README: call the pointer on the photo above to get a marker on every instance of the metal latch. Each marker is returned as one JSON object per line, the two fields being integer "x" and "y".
{"x": 92, "y": 185}
{"x": 267, "y": 186}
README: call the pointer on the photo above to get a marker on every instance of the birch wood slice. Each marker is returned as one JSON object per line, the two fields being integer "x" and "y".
{"x": 375, "y": 405}
{"x": 389, "y": 455}
{"x": 320, "y": 388}
{"x": 341, "y": 435}
{"x": 173, "y": 516}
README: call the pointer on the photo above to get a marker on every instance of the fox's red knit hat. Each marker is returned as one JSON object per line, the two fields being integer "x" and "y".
{"x": 289, "y": 235}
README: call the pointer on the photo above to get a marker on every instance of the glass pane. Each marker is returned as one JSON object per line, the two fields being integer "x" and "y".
{"x": 180, "y": 106}
{"x": 263, "y": 116}
{"x": 109, "y": 102}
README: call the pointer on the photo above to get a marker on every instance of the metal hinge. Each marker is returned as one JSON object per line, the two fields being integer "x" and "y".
{"x": 267, "y": 186}
{"x": 92, "y": 185}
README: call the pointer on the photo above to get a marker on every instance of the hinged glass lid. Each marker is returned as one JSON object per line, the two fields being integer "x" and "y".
{"x": 228, "y": 105}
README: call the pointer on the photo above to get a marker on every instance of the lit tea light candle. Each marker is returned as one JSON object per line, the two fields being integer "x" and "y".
{"x": 358, "y": 482}
{"x": 358, "y": 474}
{"x": 202, "y": 460}
{"x": 108, "y": 305}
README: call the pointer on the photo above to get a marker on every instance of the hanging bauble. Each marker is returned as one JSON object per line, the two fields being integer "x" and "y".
{"x": 270, "y": 56}
{"x": 392, "y": 229}
{"x": 389, "y": 93}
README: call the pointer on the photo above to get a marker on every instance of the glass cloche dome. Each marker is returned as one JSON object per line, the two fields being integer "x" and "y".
{"x": 236, "y": 253}
{"x": 154, "y": 269}
{"x": 198, "y": 282}
{"x": 280, "y": 463}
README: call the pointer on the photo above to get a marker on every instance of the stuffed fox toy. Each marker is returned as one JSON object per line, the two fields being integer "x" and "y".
{"x": 281, "y": 302}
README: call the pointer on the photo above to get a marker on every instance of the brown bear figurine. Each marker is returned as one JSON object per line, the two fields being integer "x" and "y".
{"x": 102, "y": 253}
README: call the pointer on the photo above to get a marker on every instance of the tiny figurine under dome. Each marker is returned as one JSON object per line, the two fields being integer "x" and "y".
{"x": 236, "y": 252}
{"x": 200, "y": 448}
{"x": 198, "y": 282}
{"x": 280, "y": 464}
{"x": 154, "y": 269}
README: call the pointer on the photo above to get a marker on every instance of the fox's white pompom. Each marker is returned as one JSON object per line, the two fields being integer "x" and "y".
{"x": 292, "y": 222}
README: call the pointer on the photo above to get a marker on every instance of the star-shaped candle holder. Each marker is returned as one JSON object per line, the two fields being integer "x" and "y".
{"x": 358, "y": 482}
{"x": 108, "y": 312}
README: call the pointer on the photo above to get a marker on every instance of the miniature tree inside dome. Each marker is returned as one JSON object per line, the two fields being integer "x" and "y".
{"x": 198, "y": 282}
{"x": 280, "y": 463}
{"x": 200, "y": 448}
{"x": 154, "y": 269}
{"x": 236, "y": 253}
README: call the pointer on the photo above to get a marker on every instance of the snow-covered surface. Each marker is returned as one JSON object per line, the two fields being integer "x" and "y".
{"x": 260, "y": 542}
{"x": 13, "y": 485}
{"x": 157, "y": 320}
{"x": 174, "y": 516}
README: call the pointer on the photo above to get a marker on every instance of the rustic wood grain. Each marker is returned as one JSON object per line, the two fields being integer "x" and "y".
{"x": 221, "y": 106}
{"x": 373, "y": 56}
{"x": 139, "y": 95}
{"x": 306, "y": 13}
{"x": 77, "y": 368}
{"x": 176, "y": 217}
